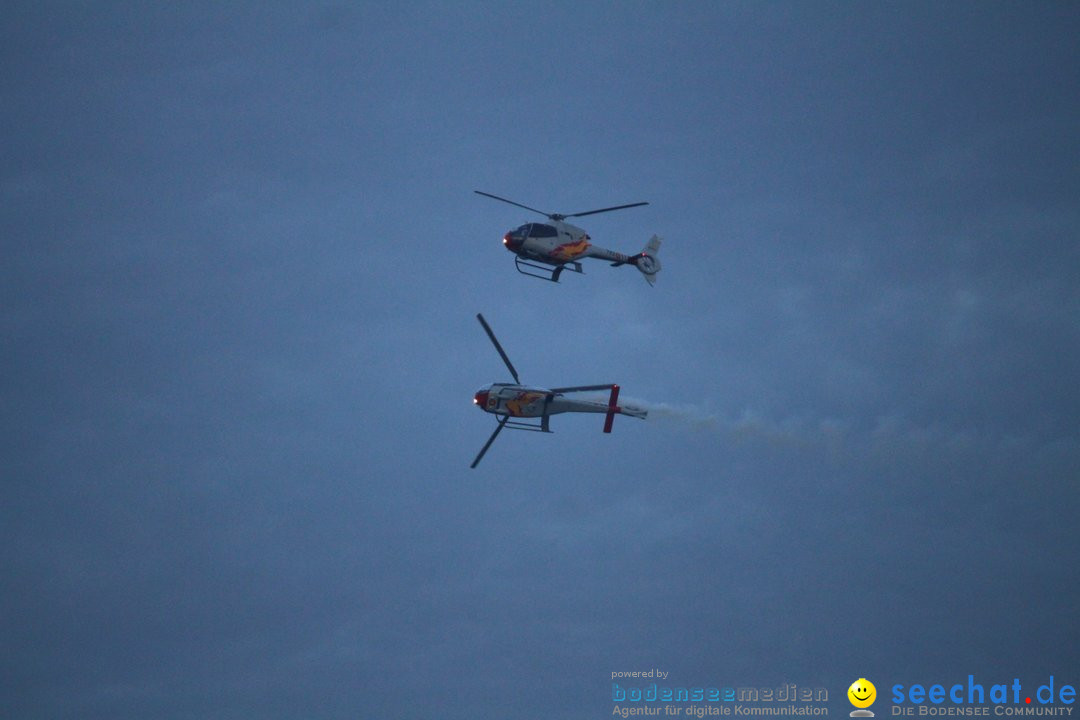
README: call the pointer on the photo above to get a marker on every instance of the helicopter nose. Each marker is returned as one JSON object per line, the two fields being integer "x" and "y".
{"x": 511, "y": 241}
{"x": 481, "y": 399}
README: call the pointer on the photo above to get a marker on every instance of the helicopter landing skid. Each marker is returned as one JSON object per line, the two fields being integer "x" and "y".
{"x": 546, "y": 272}
{"x": 541, "y": 426}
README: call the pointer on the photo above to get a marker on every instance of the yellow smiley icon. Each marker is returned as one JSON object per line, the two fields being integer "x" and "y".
{"x": 862, "y": 693}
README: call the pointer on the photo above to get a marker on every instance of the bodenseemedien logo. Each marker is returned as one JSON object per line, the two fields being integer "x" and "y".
{"x": 862, "y": 694}
{"x": 707, "y": 700}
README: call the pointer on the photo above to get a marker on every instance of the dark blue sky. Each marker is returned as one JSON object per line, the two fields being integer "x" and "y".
{"x": 241, "y": 264}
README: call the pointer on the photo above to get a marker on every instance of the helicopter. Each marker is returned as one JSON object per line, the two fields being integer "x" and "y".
{"x": 544, "y": 250}
{"x": 513, "y": 401}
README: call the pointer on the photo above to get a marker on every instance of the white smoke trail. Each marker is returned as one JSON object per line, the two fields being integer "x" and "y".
{"x": 689, "y": 414}
{"x": 837, "y": 435}
{"x": 747, "y": 426}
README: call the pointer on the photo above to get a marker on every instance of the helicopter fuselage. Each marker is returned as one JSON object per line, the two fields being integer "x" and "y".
{"x": 526, "y": 401}
{"x": 556, "y": 243}
{"x": 512, "y": 401}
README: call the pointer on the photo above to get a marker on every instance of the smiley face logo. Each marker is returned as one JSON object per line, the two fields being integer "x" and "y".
{"x": 862, "y": 693}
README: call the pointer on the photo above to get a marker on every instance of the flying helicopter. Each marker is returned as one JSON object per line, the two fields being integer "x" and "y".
{"x": 513, "y": 401}
{"x": 544, "y": 250}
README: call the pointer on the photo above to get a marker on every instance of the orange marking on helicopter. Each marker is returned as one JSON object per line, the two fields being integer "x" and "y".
{"x": 569, "y": 251}
{"x": 521, "y": 400}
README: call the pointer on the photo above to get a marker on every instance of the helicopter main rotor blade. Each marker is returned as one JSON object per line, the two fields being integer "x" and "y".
{"x": 502, "y": 353}
{"x": 617, "y": 207}
{"x": 480, "y": 455}
{"x": 496, "y": 197}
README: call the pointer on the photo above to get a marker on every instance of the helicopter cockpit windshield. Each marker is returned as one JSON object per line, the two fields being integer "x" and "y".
{"x": 532, "y": 230}
{"x": 542, "y": 231}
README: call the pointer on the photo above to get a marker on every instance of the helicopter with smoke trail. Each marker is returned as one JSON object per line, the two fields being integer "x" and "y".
{"x": 513, "y": 401}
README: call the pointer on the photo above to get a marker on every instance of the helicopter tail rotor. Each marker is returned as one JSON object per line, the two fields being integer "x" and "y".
{"x": 647, "y": 262}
